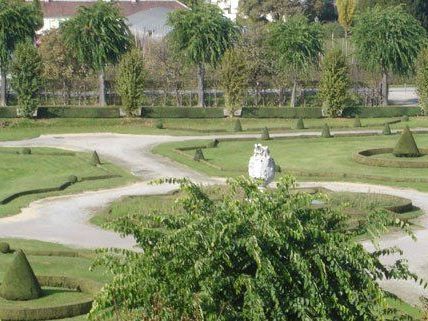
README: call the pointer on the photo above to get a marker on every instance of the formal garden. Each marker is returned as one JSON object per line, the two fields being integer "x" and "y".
{"x": 268, "y": 168}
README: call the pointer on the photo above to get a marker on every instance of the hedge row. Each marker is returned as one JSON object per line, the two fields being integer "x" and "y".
{"x": 78, "y": 112}
{"x": 281, "y": 112}
{"x": 80, "y": 254}
{"x": 181, "y": 112}
{"x": 8, "y": 112}
{"x": 364, "y": 157}
{"x": 382, "y": 112}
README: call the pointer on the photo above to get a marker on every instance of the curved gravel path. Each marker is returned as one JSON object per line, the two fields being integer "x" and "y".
{"x": 65, "y": 219}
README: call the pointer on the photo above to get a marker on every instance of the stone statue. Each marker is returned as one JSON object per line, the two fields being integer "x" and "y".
{"x": 261, "y": 165}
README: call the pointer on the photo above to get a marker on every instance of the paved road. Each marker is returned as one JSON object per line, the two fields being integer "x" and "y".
{"x": 65, "y": 219}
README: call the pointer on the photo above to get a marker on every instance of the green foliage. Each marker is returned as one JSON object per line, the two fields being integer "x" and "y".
{"x": 406, "y": 145}
{"x": 422, "y": 78}
{"x": 300, "y": 124}
{"x": 26, "y": 71}
{"x": 357, "y": 122}
{"x": 95, "y": 159}
{"x": 4, "y": 247}
{"x": 181, "y": 112}
{"x": 386, "y": 130}
{"x": 78, "y": 112}
{"x": 334, "y": 83}
{"x": 381, "y": 112}
{"x": 26, "y": 151}
{"x": 265, "y": 134}
{"x": 19, "y": 282}
{"x": 285, "y": 112}
{"x": 248, "y": 255}
{"x": 326, "y": 132}
{"x": 237, "y": 127}
{"x": 234, "y": 79}
{"x": 159, "y": 124}
{"x": 405, "y": 118}
{"x": 199, "y": 155}
{"x": 130, "y": 80}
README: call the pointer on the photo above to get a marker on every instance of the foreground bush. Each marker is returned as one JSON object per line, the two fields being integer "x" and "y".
{"x": 251, "y": 255}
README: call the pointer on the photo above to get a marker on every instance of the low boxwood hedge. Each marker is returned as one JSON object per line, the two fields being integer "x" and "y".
{"x": 364, "y": 157}
{"x": 8, "y": 112}
{"x": 381, "y": 112}
{"x": 281, "y": 112}
{"x": 182, "y": 112}
{"x": 78, "y": 112}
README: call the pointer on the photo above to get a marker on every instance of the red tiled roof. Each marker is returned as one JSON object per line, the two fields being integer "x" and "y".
{"x": 57, "y": 9}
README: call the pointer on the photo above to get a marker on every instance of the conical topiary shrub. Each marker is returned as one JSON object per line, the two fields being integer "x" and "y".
{"x": 357, "y": 122}
{"x": 300, "y": 124}
{"x": 326, "y": 132}
{"x": 405, "y": 118}
{"x": 387, "y": 129}
{"x": 199, "y": 155}
{"x": 95, "y": 159}
{"x": 159, "y": 124}
{"x": 237, "y": 127}
{"x": 265, "y": 134}
{"x": 406, "y": 145}
{"x": 19, "y": 282}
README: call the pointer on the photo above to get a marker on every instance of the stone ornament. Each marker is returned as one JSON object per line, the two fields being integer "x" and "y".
{"x": 262, "y": 165}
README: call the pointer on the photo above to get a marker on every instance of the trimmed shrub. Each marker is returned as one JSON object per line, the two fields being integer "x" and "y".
{"x": 406, "y": 145}
{"x": 381, "y": 112}
{"x": 73, "y": 179}
{"x": 78, "y": 112}
{"x": 387, "y": 129}
{"x": 326, "y": 132}
{"x": 357, "y": 122}
{"x": 278, "y": 168}
{"x": 238, "y": 126}
{"x": 265, "y": 134}
{"x": 4, "y": 247}
{"x": 8, "y": 112}
{"x": 199, "y": 155}
{"x": 19, "y": 282}
{"x": 365, "y": 157}
{"x": 300, "y": 124}
{"x": 282, "y": 112}
{"x": 405, "y": 118}
{"x": 95, "y": 160}
{"x": 181, "y": 112}
{"x": 159, "y": 124}
{"x": 214, "y": 143}
{"x": 26, "y": 151}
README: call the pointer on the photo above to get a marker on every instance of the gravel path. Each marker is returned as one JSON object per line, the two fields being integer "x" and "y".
{"x": 65, "y": 219}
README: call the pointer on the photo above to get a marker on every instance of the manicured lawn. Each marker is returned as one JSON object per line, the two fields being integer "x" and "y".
{"x": 15, "y": 129}
{"x": 307, "y": 158}
{"x": 46, "y": 168}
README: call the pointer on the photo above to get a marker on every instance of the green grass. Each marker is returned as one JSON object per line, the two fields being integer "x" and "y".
{"x": 43, "y": 169}
{"x": 307, "y": 158}
{"x": 17, "y": 129}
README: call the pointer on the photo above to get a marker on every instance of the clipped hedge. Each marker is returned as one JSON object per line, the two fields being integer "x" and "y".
{"x": 8, "y": 112}
{"x": 381, "y": 112}
{"x": 78, "y": 112}
{"x": 281, "y": 112}
{"x": 364, "y": 157}
{"x": 182, "y": 112}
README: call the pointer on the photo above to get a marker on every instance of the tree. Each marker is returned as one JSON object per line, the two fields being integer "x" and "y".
{"x": 296, "y": 44}
{"x": 130, "y": 80}
{"x": 346, "y": 10}
{"x": 388, "y": 40}
{"x": 19, "y": 21}
{"x": 99, "y": 35}
{"x": 26, "y": 69}
{"x": 266, "y": 10}
{"x": 248, "y": 255}
{"x": 334, "y": 83}
{"x": 419, "y": 9}
{"x": 202, "y": 34}
{"x": 422, "y": 78}
{"x": 234, "y": 79}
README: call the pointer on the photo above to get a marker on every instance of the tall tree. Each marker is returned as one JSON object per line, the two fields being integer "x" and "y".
{"x": 99, "y": 35}
{"x": 419, "y": 9}
{"x": 422, "y": 79}
{"x": 296, "y": 44}
{"x": 346, "y": 10}
{"x": 19, "y": 22}
{"x": 202, "y": 34}
{"x": 388, "y": 40}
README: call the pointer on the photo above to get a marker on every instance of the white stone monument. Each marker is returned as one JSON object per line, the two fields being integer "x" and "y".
{"x": 261, "y": 165}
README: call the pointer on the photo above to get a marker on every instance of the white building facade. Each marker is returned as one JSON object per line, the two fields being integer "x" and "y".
{"x": 229, "y": 7}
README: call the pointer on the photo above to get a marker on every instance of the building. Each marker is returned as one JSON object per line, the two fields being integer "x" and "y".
{"x": 229, "y": 7}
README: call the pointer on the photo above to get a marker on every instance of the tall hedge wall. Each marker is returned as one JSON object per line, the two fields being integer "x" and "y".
{"x": 8, "y": 112}
{"x": 181, "y": 112}
{"x": 281, "y": 112}
{"x": 380, "y": 112}
{"x": 78, "y": 112}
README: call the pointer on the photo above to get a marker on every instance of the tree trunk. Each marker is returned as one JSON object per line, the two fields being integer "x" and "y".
{"x": 384, "y": 90}
{"x": 3, "y": 93}
{"x": 346, "y": 43}
{"x": 293, "y": 94}
{"x": 102, "y": 88}
{"x": 201, "y": 85}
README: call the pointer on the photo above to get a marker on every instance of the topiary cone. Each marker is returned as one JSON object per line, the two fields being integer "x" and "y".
{"x": 265, "y": 134}
{"x": 19, "y": 282}
{"x": 357, "y": 122}
{"x": 199, "y": 155}
{"x": 406, "y": 145}
{"x": 386, "y": 130}
{"x": 326, "y": 132}
{"x": 300, "y": 124}
{"x": 237, "y": 127}
{"x": 95, "y": 159}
